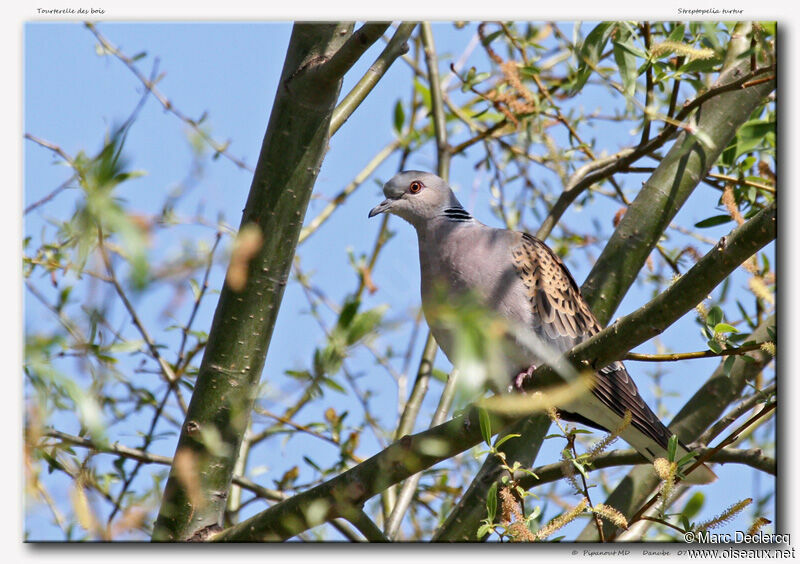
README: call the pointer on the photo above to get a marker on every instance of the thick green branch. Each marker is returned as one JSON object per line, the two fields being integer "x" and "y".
{"x": 348, "y": 53}
{"x": 291, "y": 154}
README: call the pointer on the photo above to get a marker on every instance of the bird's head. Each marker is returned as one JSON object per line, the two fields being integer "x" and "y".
{"x": 416, "y": 196}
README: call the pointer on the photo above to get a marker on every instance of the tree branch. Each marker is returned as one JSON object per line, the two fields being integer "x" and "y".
{"x": 396, "y": 47}
{"x": 352, "y": 49}
{"x": 672, "y": 357}
{"x": 291, "y": 154}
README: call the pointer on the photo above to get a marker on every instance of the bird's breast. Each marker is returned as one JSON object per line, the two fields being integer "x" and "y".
{"x": 469, "y": 265}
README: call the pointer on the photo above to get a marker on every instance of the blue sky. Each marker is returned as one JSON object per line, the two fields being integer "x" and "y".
{"x": 73, "y": 96}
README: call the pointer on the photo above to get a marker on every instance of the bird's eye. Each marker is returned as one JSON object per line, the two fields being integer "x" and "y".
{"x": 415, "y": 187}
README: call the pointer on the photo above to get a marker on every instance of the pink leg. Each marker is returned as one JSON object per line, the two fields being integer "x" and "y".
{"x": 522, "y": 377}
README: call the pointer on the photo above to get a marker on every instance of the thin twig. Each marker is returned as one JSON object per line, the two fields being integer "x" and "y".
{"x": 740, "y": 350}
{"x": 166, "y": 369}
{"x": 746, "y": 405}
{"x": 342, "y": 196}
{"x": 196, "y": 306}
{"x": 149, "y": 458}
{"x": 649, "y": 87}
{"x": 150, "y": 85}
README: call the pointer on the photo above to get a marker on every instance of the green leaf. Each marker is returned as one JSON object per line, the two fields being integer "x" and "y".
{"x": 626, "y": 62}
{"x": 581, "y": 468}
{"x": 299, "y": 374}
{"x": 677, "y": 33}
{"x": 486, "y": 426}
{"x": 714, "y": 345}
{"x": 399, "y": 117}
{"x": 491, "y": 501}
{"x": 630, "y": 47}
{"x": 440, "y": 374}
{"x": 702, "y": 65}
{"x": 745, "y": 315}
{"x": 590, "y": 52}
{"x": 714, "y": 316}
{"x": 687, "y": 459}
{"x": 672, "y": 448}
{"x": 333, "y": 385}
{"x": 500, "y": 441}
{"x": 725, "y": 328}
{"x": 752, "y": 134}
{"x": 63, "y": 298}
{"x": 313, "y": 464}
{"x": 484, "y": 530}
{"x": 693, "y": 506}
{"x": 491, "y": 37}
{"x": 363, "y": 324}
{"x": 126, "y": 346}
{"x": 423, "y": 91}
{"x": 727, "y": 366}
{"x": 195, "y": 288}
{"x": 347, "y": 314}
{"x": 713, "y": 221}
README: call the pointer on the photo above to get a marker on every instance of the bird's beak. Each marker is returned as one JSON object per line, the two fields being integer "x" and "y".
{"x": 382, "y": 207}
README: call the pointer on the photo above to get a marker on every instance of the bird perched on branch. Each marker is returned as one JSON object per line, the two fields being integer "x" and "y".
{"x": 518, "y": 279}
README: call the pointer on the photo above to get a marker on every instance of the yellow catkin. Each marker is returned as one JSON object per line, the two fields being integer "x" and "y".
{"x": 600, "y": 447}
{"x": 760, "y": 289}
{"x": 82, "y": 508}
{"x": 691, "y": 53}
{"x": 509, "y": 507}
{"x": 726, "y": 515}
{"x": 664, "y": 468}
{"x": 729, "y": 202}
{"x": 612, "y": 515}
{"x": 757, "y": 524}
{"x": 666, "y": 471}
{"x": 552, "y": 414}
{"x": 511, "y": 74}
{"x": 518, "y": 532}
{"x": 769, "y": 348}
{"x": 560, "y": 521}
{"x": 702, "y": 310}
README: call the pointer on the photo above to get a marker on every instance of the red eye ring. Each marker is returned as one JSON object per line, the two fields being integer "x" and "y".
{"x": 415, "y": 187}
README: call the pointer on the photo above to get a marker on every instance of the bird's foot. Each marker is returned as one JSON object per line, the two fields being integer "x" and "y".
{"x": 518, "y": 384}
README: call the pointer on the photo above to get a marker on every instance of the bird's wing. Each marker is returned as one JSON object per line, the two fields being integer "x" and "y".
{"x": 563, "y": 313}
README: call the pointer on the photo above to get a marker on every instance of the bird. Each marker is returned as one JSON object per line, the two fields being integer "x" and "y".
{"x": 518, "y": 278}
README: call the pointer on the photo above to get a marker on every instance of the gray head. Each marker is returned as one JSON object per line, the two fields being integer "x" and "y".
{"x": 417, "y": 197}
